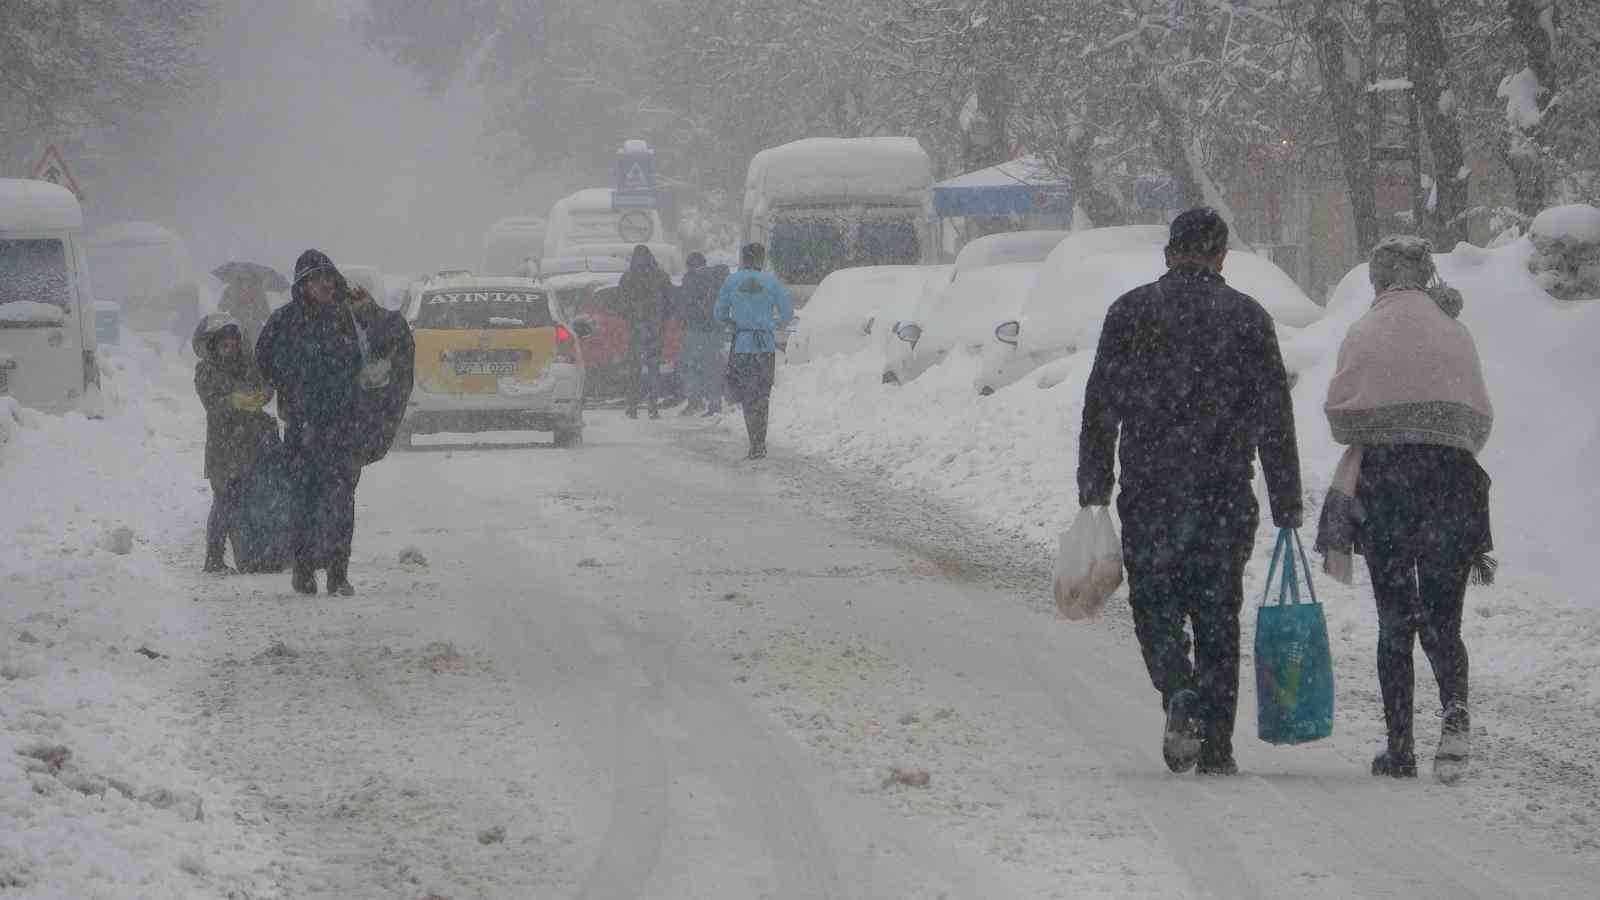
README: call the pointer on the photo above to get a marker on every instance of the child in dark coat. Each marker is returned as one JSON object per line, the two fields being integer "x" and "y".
{"x": 237, "y": 430}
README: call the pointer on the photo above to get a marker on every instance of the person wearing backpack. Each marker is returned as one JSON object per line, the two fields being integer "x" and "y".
{"x": 1188, "y": 386}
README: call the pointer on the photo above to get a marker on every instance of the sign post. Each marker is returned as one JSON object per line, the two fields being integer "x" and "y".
{"x": 53, "y": 168}
{"x": 635, "y": 177}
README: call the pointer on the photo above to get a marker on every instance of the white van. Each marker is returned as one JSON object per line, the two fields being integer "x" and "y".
{"x": 823, "y": 204}
{"x": 47, "y": 345}
{"x": 583, "y": 225}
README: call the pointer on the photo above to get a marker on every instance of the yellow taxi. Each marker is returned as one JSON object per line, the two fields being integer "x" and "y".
{"x": 493, "y": 354}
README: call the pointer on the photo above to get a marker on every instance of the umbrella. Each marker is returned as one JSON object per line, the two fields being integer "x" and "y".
{"x": 248, "y": 271}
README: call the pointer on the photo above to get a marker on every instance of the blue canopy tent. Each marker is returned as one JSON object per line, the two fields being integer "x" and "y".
{"x": 1019, "y": 187}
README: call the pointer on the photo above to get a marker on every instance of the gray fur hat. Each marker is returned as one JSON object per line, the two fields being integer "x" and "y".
{"x": 1405, "y": 262}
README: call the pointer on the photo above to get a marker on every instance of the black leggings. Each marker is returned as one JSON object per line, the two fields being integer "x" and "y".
{"x": 226, "y": 495}
{"x": 750, "y": 378}
{"x": 1426, "y": 521}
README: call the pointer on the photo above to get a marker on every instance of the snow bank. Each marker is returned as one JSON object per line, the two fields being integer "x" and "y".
{"x": 99, "y": 647}
{"x": 1011, "y": 247}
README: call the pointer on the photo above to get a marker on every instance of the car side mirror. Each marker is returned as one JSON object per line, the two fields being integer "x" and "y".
{"x": 1008, "y": 332}
{"x": 583, "y": 326}
{"x": 910, "y": 332}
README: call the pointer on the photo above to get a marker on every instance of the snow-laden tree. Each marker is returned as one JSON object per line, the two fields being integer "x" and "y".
{"x": 73, "y": 68}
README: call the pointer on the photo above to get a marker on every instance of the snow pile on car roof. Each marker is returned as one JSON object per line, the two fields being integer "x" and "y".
{"x": 28, "y": 205}
{"x": 839, "y": 169}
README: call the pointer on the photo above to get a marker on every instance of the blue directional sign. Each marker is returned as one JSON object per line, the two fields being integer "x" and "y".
{"x": 636, "y": 177}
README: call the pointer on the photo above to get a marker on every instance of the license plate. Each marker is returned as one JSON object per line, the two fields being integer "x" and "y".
{"x": 486, "y": 368}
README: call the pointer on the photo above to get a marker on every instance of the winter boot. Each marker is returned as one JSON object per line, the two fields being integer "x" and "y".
{"x": 1180, "y": 742}
{"x": 215, "y": 565}
{"x": 1394, "y": 764}
{"x": 339, "y": 580}
{"x": 1216, "y": 758}
{"x": 304, "y": 579}
{"x": 1450, "y": 761}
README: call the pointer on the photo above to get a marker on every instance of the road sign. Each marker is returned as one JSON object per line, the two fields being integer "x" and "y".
{"x": 636, "y": 227}
{"x": 53, "y": 168}
{"x": 635, "y": 186}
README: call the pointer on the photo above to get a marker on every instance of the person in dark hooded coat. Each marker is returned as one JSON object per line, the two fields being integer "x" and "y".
{"x": 387, "y": 375}
{"x": 237, "y": 431}
{"x": 310, "y": 353}
{"x": 646, "y": 296}
{"x": 1189, "y": 377}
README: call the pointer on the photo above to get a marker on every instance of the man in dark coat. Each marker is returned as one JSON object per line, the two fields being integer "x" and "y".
{"x": 1189, "y": 374}
{"x": 700, "y": 359}
{"x": 237, "y": 431}
{"x": 309, "y": 352}
{"x": 646, "y": 296}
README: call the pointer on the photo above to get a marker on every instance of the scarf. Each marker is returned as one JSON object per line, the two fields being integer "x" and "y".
{"x": 1407, "y": 373}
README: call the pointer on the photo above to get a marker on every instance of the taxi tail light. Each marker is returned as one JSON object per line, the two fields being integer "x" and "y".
{"x": 566, "y": 347}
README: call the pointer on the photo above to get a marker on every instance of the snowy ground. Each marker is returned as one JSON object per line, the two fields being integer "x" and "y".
{"x": 643, "y": 669}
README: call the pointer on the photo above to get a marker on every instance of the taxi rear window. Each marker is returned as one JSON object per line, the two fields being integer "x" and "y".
{"x": 480, "y": 310}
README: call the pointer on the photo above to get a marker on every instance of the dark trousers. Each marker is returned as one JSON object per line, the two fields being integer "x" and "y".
{"x": 324, "y": 512}
{"x": 644, "y": 371}
{"x": 1185, "y": 562}
{"x": 750, "y": 377}
{"x": 1423, "y": 529}
{"x": 226, "y": 496}
{"x": 701, "y": 367}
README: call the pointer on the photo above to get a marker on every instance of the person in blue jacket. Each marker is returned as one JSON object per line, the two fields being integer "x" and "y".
{"x": 755, "y": 304}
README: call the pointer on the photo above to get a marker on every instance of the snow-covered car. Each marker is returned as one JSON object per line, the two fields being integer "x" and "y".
{"x": 493, "y": 354}
{"x": 852, "y": 306}
{"x": 1087, "y": 272}
{"x": 991, "y": 277}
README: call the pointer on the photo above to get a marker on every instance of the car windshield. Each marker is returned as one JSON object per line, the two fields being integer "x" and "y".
{"x": 468, "y": 309}
{"x": 805, "y": 251}
{"x": 34, "y": 270}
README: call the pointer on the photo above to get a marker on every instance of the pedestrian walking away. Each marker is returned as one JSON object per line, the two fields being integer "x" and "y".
{"x": 645, "y": 293}
{"x": 755, "y": 304}
{"x": 1409, "y": 400}
{"x": 237, "y": 431}
{"x": 1187, "y": 388}
{"x": 700, "y": 359}
{"x": 310, "y": 353}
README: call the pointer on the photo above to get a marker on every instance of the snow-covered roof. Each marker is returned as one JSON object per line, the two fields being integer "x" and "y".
{"x": 1025, "y": 170}
{"x": 588, "y": 199}
{"x": 27, "y": 205}
{"x": 839, "y": 169}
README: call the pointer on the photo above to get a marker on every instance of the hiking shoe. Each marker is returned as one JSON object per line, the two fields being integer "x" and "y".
{"x": 1455, "y": 737}
{"x": 1394, "y": 765}
{"x": 1180, "y": 742}
{"x": 216, "y": 567}
{"x": 304, "y": 581}
{"x": 341, "y": 587}
{"x": 711, "y": 411}
{"x": 756, "y": 453}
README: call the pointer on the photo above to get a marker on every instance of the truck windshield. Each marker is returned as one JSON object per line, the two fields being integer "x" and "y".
{"x": 34, "y": 270}
{"x": 890, "y": 243}
{"x": 805, "y": 251}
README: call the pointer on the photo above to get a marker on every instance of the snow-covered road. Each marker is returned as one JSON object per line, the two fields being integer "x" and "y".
{"x": 642, "y": 669}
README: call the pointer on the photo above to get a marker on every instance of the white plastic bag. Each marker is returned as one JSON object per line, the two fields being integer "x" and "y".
{"x": 1088, "y": 564}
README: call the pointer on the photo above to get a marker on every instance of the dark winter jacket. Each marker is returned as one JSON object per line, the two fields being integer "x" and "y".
{"x": 237, "y": 431}
{"x": 309, "y": 354}
{"x": 698, "y": 298}
{"x": 1189, "y": 374}
{"x": 645, "y": 296}
{"x": 381, "y": 407}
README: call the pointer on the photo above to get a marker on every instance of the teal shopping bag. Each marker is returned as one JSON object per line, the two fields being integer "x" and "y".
{"x": 1294, "y": 666}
